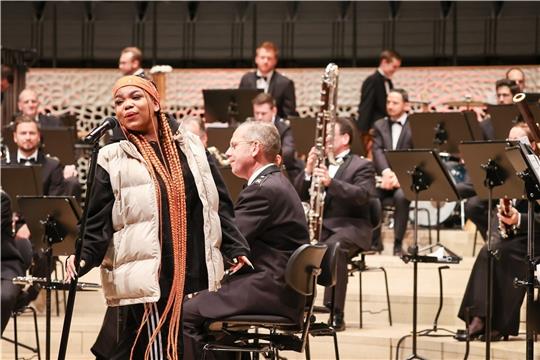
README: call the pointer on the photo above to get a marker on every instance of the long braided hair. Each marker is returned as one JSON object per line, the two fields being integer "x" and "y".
{"x": 170, "y": 173}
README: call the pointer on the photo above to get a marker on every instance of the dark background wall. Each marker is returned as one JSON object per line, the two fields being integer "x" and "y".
{"x": 215, "y": 34}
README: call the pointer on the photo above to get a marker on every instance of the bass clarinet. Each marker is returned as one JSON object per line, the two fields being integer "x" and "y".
{"x": 324, "y": 139}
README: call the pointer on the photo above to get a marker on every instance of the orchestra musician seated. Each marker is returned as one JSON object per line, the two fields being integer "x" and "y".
{"x": 509, "y": 264}
{"x": 270, "y": 215}
{"x": 349, "y": 184}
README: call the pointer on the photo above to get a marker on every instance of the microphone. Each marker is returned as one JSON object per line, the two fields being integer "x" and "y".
{"x": 107, "y": 124}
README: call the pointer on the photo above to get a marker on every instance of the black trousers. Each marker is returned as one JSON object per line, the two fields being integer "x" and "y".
{"x": 348, "y": 248}
{"x": 397, "y": 198}
{"x": 10, "y": 291}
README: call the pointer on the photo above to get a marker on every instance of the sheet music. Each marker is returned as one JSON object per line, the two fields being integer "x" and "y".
{"x": 535, "y": 164}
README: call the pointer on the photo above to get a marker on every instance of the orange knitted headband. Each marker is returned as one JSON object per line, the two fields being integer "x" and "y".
{"x": 132, "y": 80}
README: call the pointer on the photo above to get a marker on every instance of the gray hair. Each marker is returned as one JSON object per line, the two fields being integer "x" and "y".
{"x": 265, "y": 134}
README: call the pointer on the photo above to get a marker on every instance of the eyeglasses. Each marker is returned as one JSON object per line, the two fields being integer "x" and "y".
{"x": 233, "y": 145}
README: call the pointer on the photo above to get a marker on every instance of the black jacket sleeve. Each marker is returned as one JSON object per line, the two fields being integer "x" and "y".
{"x": 379, "y": 157}
{"x": 99, "y": 228}
{"x": 357, "y": 192}
{"x": 233, "y": 243}
{"x": 56, "y": 181}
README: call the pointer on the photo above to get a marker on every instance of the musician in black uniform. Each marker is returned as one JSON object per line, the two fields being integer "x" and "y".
{"x": 265, "y": 109}
{"x": 374, "y": 90}
{"x": 28, "y": 104}
{"x": 349, "y": 185}
{"x": 509, "y": 264}
{"x": 392, "y": 133}
{"x": 270, "y": 215}
{"x": 26, "y": 136}
{"x": 267, "y": 78}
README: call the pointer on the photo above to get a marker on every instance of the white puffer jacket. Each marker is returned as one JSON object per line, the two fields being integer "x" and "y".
{"x": 130, "y": 269}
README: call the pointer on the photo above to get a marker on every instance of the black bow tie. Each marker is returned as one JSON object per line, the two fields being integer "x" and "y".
{"x": 262, "y": 77}
{"x": 396, "y": 123}
{"x": 23, "y": 160}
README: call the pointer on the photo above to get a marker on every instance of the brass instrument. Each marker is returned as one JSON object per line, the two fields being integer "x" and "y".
{"x": 324, "y": 136}
{"x": 506, "y": 230}
{"x": 219, "y": 156}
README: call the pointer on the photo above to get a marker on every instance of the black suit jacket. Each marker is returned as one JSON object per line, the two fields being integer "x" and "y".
{"x": 281, "y": 88}
{"x": 372, "y": 101}
{"x": 271, "y": 217}
{"x": 382, "y": 140}
{"x": 346, "y": 205}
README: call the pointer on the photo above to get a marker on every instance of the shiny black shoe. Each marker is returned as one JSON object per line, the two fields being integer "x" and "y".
{"x": 377, "y": 247}
{"x": 339, "y": 322}
{"x": 398, "y": 251}
{"x": 495, "y": 336}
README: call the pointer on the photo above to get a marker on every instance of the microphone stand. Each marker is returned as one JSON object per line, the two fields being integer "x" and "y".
{"x": 78, "y": 248}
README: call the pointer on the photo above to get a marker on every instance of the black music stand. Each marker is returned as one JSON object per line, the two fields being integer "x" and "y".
{"x": 22, "y": 180}
{"x": 441, "y": 131}
{"x": 60, "y": 142}
{"x": 231, "y": 106}
{"x": 527, "y": 167}
{"x": 53, "y": 223}
{"x": 474, "y": 126}
{"x": 422, "y": 176}
{"x": 220, "y": 137}
{"x": 503, "y": 117}
{"x": 234, "y": 183}
{"x": 494, "y": 177}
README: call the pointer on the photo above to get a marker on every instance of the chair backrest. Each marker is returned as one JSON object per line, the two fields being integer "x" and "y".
{"x": 299, "y": 273}
{"x": 375, "y": 212}
{"x": 303, "y": 268}
{"x": 329, "y": 266}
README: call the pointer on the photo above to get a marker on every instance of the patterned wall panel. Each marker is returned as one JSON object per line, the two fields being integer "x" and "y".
{"x": 87, "y": 93}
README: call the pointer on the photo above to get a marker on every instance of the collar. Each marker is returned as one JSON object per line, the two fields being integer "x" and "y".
{"x": 33, "y": 156}
{"x": 258, "y": 172}
{"x": 402, "y": 119}
{"x": 138, "y": 72}
{"x": 383, "y": 74}
{"x": 267, "y": 76}
{"x": 342, "y": 154}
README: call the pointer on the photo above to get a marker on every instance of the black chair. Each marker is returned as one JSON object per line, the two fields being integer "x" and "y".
{"x": 358, "y": 261}
{"x": 21, "y": 309}
{"x": 327, "y": 279}
{"x": 301, "y": 275}
{"x": 21, "y": 305}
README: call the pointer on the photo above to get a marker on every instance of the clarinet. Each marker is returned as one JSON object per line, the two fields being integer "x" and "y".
{"x": 324, "y": 135}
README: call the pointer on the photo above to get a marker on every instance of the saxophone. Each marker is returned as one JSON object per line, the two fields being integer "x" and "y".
{"x": 324, "y": 136}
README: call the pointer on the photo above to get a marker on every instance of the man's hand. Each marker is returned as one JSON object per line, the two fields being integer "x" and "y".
{"x": 310, "y": 162}
{"x": 322, "y": 173}
{"x": 70, "y": 171}
{"x": 389, "y": 180}
{"x": 23, "y": 232}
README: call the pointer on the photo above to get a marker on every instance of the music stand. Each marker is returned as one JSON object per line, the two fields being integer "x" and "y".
{"x": 53, "y": 223}
{"x": 231, "y": 106}
{"x": 503, "y": 117}
{"x": 426, "y": 179}
{"x": 220, "y": 137}
{"x": 60, "y": 142}
{"x": 234, "y": 183}
{"x": 474, "y": 126}
{"x": 527, "y": 167}
{"x": 441, "y": 131}
{"x": 494, "y": 177}
{"x": 22, "y": 180}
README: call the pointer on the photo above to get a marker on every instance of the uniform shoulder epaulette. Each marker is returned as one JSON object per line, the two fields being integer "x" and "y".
{"x": 260, "y": 180}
